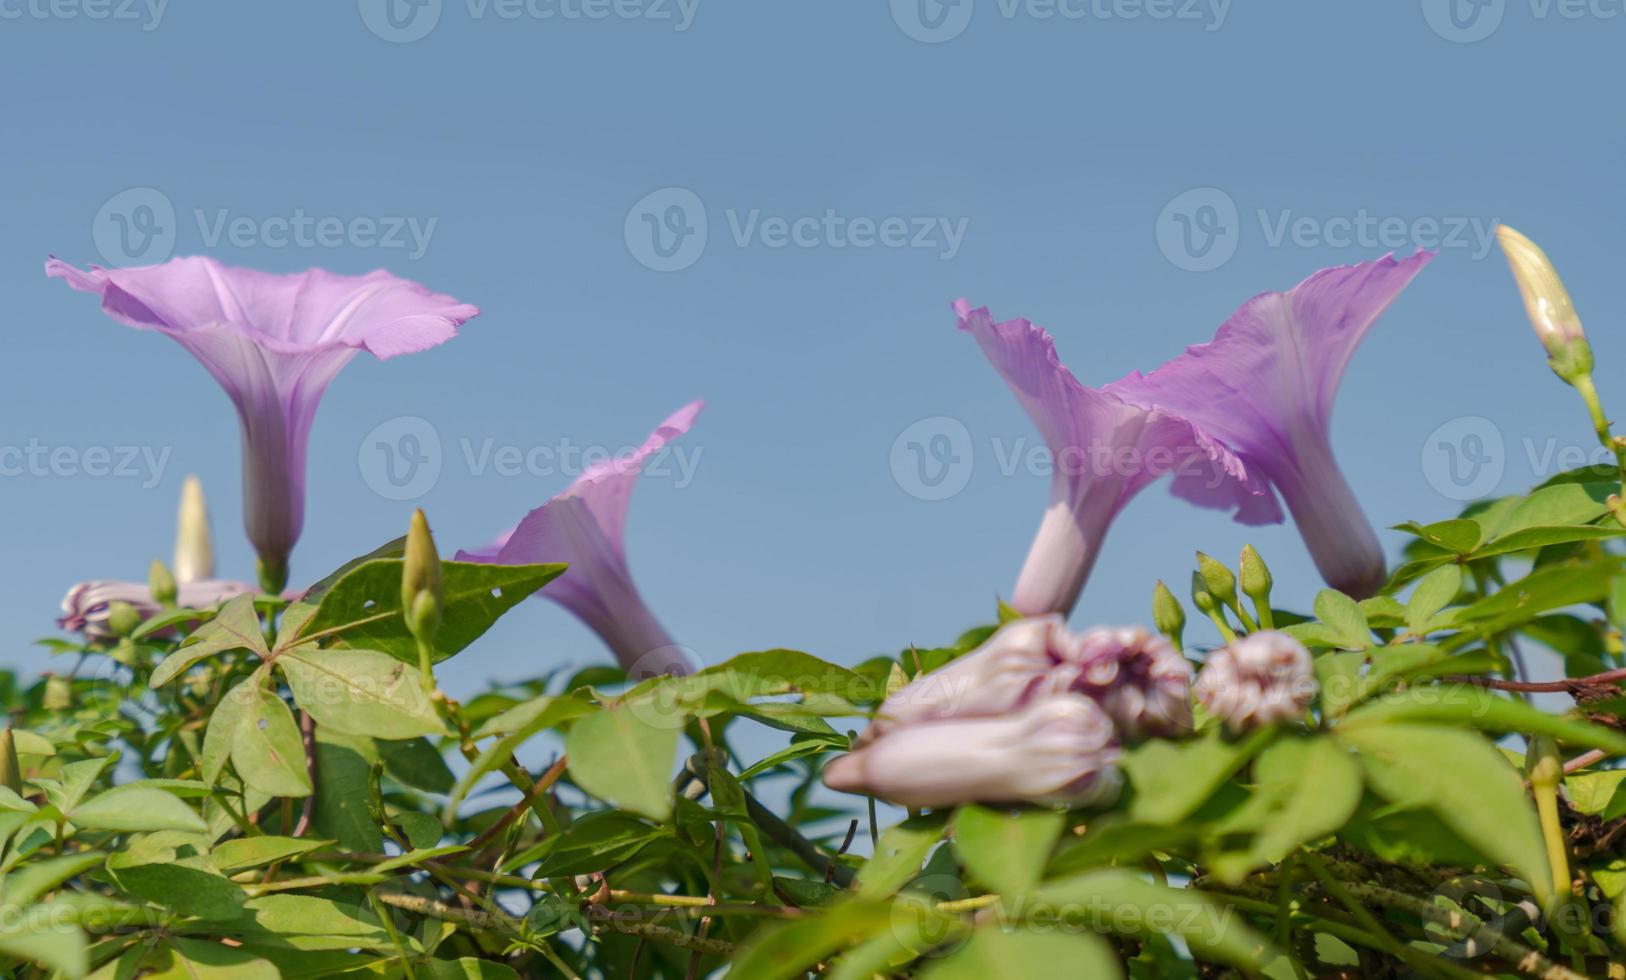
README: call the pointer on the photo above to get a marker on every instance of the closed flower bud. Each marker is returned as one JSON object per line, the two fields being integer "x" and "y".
{"x": 1256, "y": 681}
{"x": 122, "y": 618}
{"x": 1548, "y": 303}
{"x": 194, "y": 547}
{"x": 11, "y": 769}
{"x": 1201, "y": 597}
{"x": 994, "y": 679}
{"x": 162, "y": 584}
{"x": 1255, "y": 575}
{"x": 1218, "y": 578}
{"x": 1167, "y": 614}
{"x": 1056, "y": 750}
{"x": 421, "y": 590}
{"x": 58, "y": 695}
{"x": 1138, "y": 677}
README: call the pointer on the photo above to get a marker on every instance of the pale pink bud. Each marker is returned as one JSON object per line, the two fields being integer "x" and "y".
{"x": 1137, "y": 676}
{"x": 87, "y": 606}
{"x": 1059, "y": 749}
{"x": 1259, "y": 680}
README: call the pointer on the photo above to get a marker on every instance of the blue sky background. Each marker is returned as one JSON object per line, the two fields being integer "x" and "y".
{"x": 1058, "y": 144}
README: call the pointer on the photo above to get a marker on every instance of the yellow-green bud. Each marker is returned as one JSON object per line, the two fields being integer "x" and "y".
{"x": 1548, "y": 303}
{"x": 421, "y": 589}
{"x": 161, "y": 584}
{"x": 194, "y": 549}
{"x": 58, "y": 693}
{"x": 122, "y": 618}
{"x": 1256, "y": 580}
{"x": 1167, "y": 614}
{"x": 11, "y": 769}
{"x": 1201, "y": 596}
{"x": 1218, "y": 578}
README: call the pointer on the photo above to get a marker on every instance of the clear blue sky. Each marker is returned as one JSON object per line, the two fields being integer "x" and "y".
{"x": 1046, "y": 156}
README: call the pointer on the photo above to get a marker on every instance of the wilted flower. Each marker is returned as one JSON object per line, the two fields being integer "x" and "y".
{"x": 1104, "y": 450}
{"x": 1058, "y": 749}
{"x": 274, "y": 343}
{"x": 585, "y": 527}
{"x": 89, "y": 605}
{"x": 1264, "y": 387}
{"x": 1137, "y": 676}
{"x": 1261, "y": 679}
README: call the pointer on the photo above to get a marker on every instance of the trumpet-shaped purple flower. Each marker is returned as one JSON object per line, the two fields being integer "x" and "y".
{"x": 87, "y": 606}
{"x": 1261, "y": 679}
{"x": 1105, "y": 449}
{"x": 1059, "y": 749}
{"x": 1265, "y": 386}
{"x": 274, "y": 342}
{"x": 585, "y": 527}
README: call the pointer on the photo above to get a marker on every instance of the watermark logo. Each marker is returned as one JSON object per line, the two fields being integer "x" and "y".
{"x": 140, "y": 226}
{"x": 405, "y": 21}
{"x": 932, "y": 459}
{"x": 135, "y": 227}
{"x": 400, "y": 21}
{"x": 400, "y": 459}
{"x": 1464, "y": 458}
{"x": 932, "y": 21}
{"x": 666, "y": 230}
{"x": 1464, "y": 21}
{"x": 1199, "y": 229}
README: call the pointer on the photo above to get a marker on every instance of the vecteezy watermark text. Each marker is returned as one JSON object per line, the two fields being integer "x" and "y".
{"x": 149, "y": 12}
{"x": 140, "y": 226}
{"x": 38, "y": 460}
{"x": 1467, "y": 21}
{"x": 405, "y": 21}
{"x": 1201, "y": 229}
{"x": 667, "y": 230}
{"x": 1466, "y": 458}
{"x": 936, "y": 21}
{"x": 402, "y": 459}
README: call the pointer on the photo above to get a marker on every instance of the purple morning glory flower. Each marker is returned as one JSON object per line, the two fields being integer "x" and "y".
{"x": 585, "y": 527}
{"x": 1104, "y": 449}
{"x": 1261, "y": 679}
{"x": 1265, "y": 386}
{"x": 87, "y": 606}
{"x": 1137, "y": 676}
{"x": 274, "y": 342}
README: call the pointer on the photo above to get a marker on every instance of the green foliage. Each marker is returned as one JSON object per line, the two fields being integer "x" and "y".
{"x": 269, "y": 789}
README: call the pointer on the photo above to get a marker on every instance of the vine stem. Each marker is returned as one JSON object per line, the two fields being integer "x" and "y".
{"x": 1569, "y": 685}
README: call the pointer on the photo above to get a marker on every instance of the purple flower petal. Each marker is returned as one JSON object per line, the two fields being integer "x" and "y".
{"x": 274, "y": 343}
{"x": 1104, "y": 450}
{"x": 585, "y": 527}
{"x": 1265, "y": 386}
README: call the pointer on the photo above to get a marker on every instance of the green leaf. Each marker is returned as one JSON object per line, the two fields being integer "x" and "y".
{"x": 1559, "y": 505}
{"x": 135, "y": 807}
{"x": 1115, "y": 840}
{"x": 1458, "y": 535}
{"x": 1340, "y": 614}
{"x": 256, "y": 852}
{"x": 1124, "y": 903}
{"x": 1172, "y": 779}
{"x": 55, "y": 946}
{"x": 267, "y": 749}
{"x": 789, "y": 950}
{"x": 360, "y": 692}
{"x": 235, "y": 627}
{"x": 363, "y": 608}
{"x": 344, "y": 796}
{"x": 466, "y": 968}
{"x": 312, "y": 923}
{"x": 27, "y": 883}
{"x": 416, "y": 763}
{"x": 531, "y": 717}
{"x": 898, "y": 855}
{"x": 1543, "y": 590}
{"x": 1338, "y": 675}
{"x": 1598, "y": 794}
{"x": 180, "y": 958}
{"x": 223, "y": 724}
{"x": 1476, "y": 707}
{"x": 1416, "y": 838}
{"x": 1305, "y": 789}
{"x": 187, "y": 883}
{"x": 992, "y": 952}
{"x": 1433, "y": 593}
{"x": 1464, "y": 781}
{"x": 618, "y": 757}
{"x": 1006, "y": 850}
{"x": 593, "y": 843}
